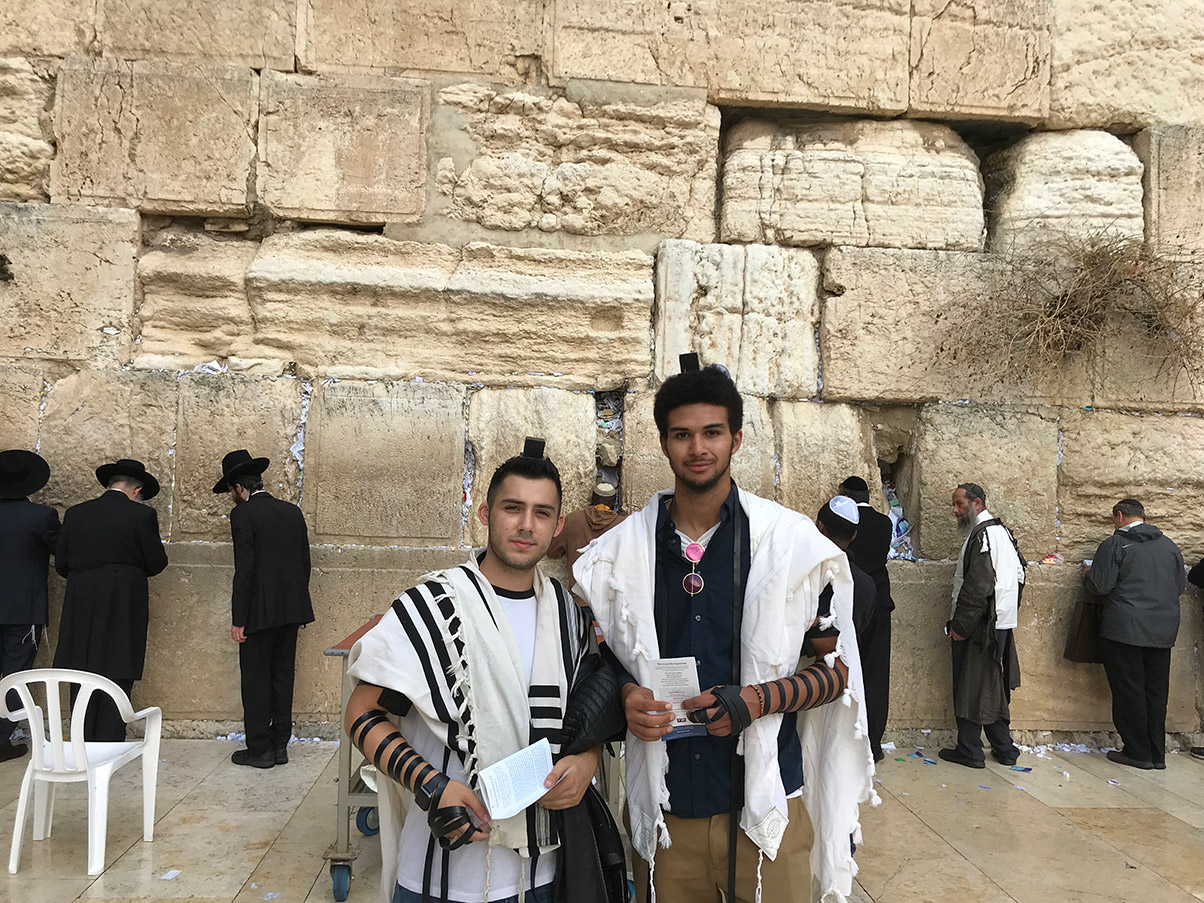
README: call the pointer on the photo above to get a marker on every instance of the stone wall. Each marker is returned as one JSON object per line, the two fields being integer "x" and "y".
{"x": 383, "y": 242}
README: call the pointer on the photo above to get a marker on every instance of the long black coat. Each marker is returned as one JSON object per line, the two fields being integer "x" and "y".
{"x": 28, "y": 533}
{"x": 271, "y": 564}
{"x": 107, "y": 549}
{"x": 871, "y": 548}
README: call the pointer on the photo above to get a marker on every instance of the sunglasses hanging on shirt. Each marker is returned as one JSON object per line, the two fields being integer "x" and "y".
{"x": 692, "y": 583}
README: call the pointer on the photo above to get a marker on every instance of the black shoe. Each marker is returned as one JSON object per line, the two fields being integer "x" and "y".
{"x": 1008, "y": 759}
{"x": 281, "y": 753}
{"x": 246, "y": 757}
{"x": 952, "y": 755}
{"x": 12, "y": 751}
{"x": 1160, "y": 766}
{"x": 1197, "y": 752}
{"x": 1121, "y": 759}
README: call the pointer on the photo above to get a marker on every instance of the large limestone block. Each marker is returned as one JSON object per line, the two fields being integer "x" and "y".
{"x": 385, "y": 463}
{"x": 861, "y": 182}
{"x": 47, "y": 27}
{"x": 500, "y": 38}
{"x": 221, "y": 412}
{"x": 896, "y": 327}
{"x": 1137, "y": 370}
{"x": 20, "y": 398}
{"x": 348, "y": 149}
{"x": 349, "y": 586}
{"x": 25, "y": 154}
{"x": 234, "y": 32}
{"x": 1173, "y": 161}
{"x": 751, "y": 308}
{"x": 921, "y": 674}
{"x": 72, "y": 288}
{"x": 194, "y": 302}
{"x": 93, "y": 417}
{"x": 163, "y": 137}
{"x": 1109, "y": 456}
{"x": 500, "y": 419}
{"x": 1012, "y": 454}
{"x": 585, "y": 163}
{"x": 818, "y": 445}
{"x": 192, "y": 669}
{"x": 833, "y": 54}
{"x": 646, "y": 469}
{"x": 1050, "y": 187}
{"x": 354, "y": 305}
{"x": 980, "y": 59}
{"x": 1126, "y": 63}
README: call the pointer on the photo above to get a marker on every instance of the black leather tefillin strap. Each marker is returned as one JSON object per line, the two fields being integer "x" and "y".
{"x": 447, "y": 820}
{"x": 727, "y": 702}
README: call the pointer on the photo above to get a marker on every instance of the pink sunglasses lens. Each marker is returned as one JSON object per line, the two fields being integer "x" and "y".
{"x": 692, "y": 583}
{"x": 694, "y": 552}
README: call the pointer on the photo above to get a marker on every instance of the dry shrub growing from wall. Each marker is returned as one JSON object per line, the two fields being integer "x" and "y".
{"x": 1050, "y": 310}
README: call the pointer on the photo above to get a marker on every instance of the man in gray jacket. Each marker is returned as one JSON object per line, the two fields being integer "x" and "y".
{"x": 1141, "y": 573}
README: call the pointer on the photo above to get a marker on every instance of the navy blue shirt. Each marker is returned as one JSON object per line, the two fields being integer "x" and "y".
{"x": 700, "y": 768}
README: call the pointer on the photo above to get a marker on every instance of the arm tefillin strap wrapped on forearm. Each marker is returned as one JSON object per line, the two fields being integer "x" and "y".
{"x": 815, "y": 685}
{"x": 727, "y": 702}
{"x": 393, "y": 756}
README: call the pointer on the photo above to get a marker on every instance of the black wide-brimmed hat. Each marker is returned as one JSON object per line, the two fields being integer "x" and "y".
{"x": 236, "y": 464}
{"x": 127, "y": 467}
{"x": 22, "y": 473}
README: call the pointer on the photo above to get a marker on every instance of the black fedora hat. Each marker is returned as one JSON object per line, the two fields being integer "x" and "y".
{"x": 22, "y": 473}
{"x": 237, "y": 463}
{"x": 129, "y": 468}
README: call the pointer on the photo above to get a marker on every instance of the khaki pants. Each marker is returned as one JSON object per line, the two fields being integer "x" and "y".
{"x": 694, "y": 868}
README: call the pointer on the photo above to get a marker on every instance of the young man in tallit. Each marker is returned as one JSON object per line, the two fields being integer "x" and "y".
{"x": 711, "y": 572}
{"x": 470, "y": 666}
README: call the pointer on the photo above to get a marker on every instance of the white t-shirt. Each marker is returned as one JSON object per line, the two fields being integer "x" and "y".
{"x": 467, "y": 879}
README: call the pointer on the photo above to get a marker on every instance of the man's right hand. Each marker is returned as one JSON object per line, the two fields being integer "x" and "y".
{"x": 647, "y": 717}
{"x": 457, "y": 794}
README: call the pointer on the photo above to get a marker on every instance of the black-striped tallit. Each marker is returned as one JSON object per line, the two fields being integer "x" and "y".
{"x": 446, "y": 649}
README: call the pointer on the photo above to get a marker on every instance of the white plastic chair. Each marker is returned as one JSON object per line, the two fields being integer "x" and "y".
{"x": 54, "y": 760}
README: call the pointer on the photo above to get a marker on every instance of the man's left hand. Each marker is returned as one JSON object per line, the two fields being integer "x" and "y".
{"x": 238, "y": 634}
{"x": 957, "y": 637}
{"x": 570, "y": 778}
{"x": 723, "y": 727}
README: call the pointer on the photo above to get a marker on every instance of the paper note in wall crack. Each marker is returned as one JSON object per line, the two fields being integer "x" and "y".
{"x": 514, "y": 783}
{"x": 675, "y": 680}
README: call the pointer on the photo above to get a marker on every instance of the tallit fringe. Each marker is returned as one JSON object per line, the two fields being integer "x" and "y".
{"x": 760, "y": 859}
{"x": 462, "y": 685}
{"x": 489, "y": 869}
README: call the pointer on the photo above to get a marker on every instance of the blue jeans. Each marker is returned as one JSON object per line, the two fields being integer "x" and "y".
{"x": 542, "y": 894}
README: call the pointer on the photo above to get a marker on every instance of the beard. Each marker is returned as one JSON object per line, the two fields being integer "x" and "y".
{"x": 701, "y": 486}
{"x": 499, "y": 550}
{"x": 965, "y": 522}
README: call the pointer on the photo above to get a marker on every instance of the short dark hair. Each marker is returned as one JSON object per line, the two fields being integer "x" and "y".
{"x": 1129, "y": 508}
{"x": 248, "y": 481}
{"x": 855, "y": 488}
{"x": 710, "y": 385}
{"x": 973, "y": 491}
{"x": 523, "y": 466}
{"x": 838, "y": 528}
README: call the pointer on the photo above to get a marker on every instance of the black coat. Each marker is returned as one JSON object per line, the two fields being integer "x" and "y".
{"x": 1140, "y": 571}
{"x": 871, "y": 548}
{"x": 271, "y": 564}
{"x": 28, "y": 533}
{"x": 107, "y": 549}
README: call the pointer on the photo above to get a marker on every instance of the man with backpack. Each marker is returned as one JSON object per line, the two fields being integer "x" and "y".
{"x": 986, "y": 599}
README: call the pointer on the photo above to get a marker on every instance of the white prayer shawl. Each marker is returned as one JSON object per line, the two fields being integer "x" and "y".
{"x": 446, "y": 645}
{"x": 791, "y": 564}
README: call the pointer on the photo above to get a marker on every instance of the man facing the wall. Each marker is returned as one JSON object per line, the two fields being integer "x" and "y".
{"x": 107, "y": 549}
{"x": 269, "y": 602}
{"x": 1141, "y": 574}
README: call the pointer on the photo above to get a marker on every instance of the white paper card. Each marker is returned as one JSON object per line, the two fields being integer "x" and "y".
{"x": 675, "y": 680}
{"x": 511, "y": 785}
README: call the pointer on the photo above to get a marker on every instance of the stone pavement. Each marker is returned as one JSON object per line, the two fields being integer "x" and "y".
{"x": 943, "y": 834}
